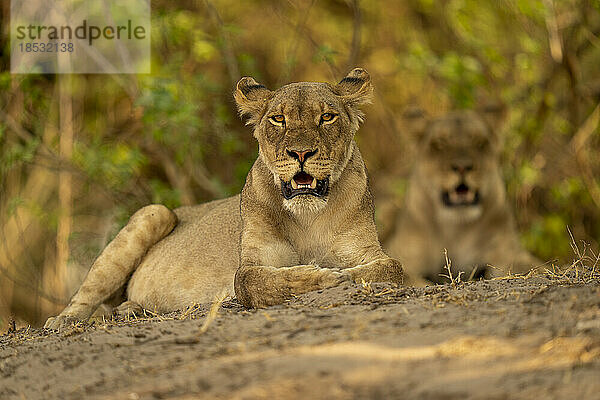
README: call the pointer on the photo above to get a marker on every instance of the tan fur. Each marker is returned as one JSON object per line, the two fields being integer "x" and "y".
{"x": 459, "y": 147}
{"x": 278, "y": 247}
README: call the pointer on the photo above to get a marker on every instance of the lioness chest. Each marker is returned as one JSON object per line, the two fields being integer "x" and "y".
{"x": 313, "y": 243}
{"x": 471, "y": 246}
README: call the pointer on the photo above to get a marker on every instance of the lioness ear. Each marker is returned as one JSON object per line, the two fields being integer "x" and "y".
{"x": 415, "y": 120}
{"x": 492, "y": 110}
{"x": 494, "y": 115}
{"x": 355, "y": 89}
{"x": 251, "y": 98}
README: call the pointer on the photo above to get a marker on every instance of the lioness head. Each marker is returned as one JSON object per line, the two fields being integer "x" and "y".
{"x": 305, "y": 131}
{"x": 458, "y": 162}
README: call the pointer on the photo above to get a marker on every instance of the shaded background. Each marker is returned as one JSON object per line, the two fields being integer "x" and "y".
{"x": 79, "y": 154}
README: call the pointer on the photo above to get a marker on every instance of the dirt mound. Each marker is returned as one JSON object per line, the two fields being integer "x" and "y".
{"x": 510, "y": 338}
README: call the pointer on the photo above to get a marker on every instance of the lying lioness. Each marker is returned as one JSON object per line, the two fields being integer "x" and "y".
{"x": 456, "y": 201}
{"x": 304, "y": 220}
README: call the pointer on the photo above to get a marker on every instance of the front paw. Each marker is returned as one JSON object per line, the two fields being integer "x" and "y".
{"x": 381, "y": 270}
{"x": 60, "y": 322}
{"x": 335, "y": 277}
{"x": 128, "y": 309}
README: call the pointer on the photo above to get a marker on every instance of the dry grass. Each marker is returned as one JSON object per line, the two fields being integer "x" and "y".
{"x": 512, "y": 275}
{"x": 583, "y": 269}
{"x": 214, "y": 311}
{"x": 366, "y": 287}
{"x": 448, "y": 267}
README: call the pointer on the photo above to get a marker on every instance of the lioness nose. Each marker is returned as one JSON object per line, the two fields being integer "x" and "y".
{"x": 301, "y": 155}
{"x": 462, "y": 167}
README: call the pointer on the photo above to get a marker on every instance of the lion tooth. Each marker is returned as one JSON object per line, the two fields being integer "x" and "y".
{"x": 313, "y": 184}
{"x": 294, "y": 184}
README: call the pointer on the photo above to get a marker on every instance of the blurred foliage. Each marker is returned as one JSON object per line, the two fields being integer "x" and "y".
{"x": 174, "y": 137}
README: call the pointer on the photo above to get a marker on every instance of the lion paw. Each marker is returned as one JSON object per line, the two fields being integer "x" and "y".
{"x": 335, "y": 278}
{"x": 128, "y": 309}
{"x": 60, "y": 322}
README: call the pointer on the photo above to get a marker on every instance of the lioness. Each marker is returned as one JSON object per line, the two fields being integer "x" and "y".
{"x": 456, "y": 200}
{"x": 304, "y": 220}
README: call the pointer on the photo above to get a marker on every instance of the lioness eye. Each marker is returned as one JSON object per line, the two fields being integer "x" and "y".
{"x": 437, "y": 145}
{"x": 483, "y": 144}
{"x": 278, "y": 119}
{"x": 327, "y": 117}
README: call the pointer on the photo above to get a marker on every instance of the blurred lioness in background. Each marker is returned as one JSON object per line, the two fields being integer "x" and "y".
{"x": 456, "y": 200}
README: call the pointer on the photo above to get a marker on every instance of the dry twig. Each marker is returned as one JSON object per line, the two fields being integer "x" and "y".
{"x": 214, "y": 311}
{"x": 447, "y": 267}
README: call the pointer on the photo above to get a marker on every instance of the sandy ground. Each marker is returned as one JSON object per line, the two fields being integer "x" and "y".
{"x": 517, "y": 338}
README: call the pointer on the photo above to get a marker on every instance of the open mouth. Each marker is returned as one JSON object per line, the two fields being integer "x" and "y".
{"x": 461, "y": 196}
{"x": 303, "y": 183}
